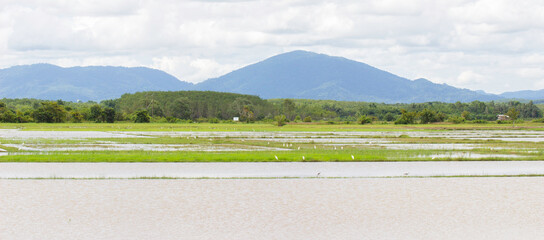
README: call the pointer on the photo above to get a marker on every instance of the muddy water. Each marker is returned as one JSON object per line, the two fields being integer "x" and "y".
{"x": 268, "y": 169}
{"x": 437, "y": 208}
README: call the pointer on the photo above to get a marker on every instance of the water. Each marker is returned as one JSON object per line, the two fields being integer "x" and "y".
{"x": 71, "y": 135}
{"x": 267, "y": 169}
{"x": 504, "y": 135}
{"x": 141, "y": 147}
{"x": 429, "y": 208}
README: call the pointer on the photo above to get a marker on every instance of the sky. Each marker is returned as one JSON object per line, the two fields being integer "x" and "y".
{"x": 490, "y": 45}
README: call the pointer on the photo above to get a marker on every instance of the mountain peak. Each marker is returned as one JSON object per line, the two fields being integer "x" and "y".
{"x": 309, "y": 75}
{"x": 51, "y": 82}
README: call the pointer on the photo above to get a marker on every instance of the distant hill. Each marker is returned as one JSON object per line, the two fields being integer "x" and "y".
{"x": 525, "y": 94}
{"x": 46, "y": 81}
{"x": 297, "y": 74}
{"x": 308, "y": 75}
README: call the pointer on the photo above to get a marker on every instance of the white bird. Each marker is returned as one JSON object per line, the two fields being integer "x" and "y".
{"x": 352, "y": 157}
{"x": 276, "y": 157}
{"x": 302, "y": 157}
{"x": 342, "y": 147}
{"x": 315, "y": 147}
{"x": 298, "y": 148}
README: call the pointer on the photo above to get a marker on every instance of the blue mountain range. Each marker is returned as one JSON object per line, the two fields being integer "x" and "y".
{"x": 297, "y": 74}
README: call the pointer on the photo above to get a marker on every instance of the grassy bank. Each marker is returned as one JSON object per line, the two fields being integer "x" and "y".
{"x": 297, "y": 127}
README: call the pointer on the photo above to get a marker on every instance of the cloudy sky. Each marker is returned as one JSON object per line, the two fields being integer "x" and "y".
{"x": 491, "y": 45}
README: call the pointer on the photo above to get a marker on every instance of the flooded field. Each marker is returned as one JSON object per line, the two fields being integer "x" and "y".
{"x": 401, "y": 208}
{"x": 140, "y": 147}
{"x": 408, "y": 145}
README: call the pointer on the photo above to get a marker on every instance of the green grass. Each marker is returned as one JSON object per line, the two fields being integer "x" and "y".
{"x": 310, "y": 155}
{"x": 286, "y": 178}
{"x": 295, "y": 127}
{"x": 361, "y": 152}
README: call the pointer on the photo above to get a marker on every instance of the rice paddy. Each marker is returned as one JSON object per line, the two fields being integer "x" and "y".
{"x": 124, "y": 142}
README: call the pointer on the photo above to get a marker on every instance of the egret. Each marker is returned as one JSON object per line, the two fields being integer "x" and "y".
{"x": 352, "y": 157}
{"x": 276, "y": 157}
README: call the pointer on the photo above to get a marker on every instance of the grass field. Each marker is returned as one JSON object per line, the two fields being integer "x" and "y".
{"x": 320, "y": 127}
{"x": 239, "y": 142}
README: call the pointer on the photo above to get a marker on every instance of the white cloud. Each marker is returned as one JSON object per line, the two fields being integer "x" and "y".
{"x": 495, "y": 45}
{"x": 470, "y": 77}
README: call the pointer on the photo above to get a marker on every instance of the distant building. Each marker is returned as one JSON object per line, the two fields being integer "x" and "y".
{"x": 503, "y": 117}
{"x": 236, "y": 119}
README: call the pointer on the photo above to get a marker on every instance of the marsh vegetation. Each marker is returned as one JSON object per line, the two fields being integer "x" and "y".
{"x": 130, "y": 142}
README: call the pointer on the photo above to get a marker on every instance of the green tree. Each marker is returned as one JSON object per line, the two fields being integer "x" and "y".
{"x": 76, "y": 117}
{"x": 406, "y": 117}
{"x": 247, "y": 115}
{"x": 179, "y": 108}
{"x": 513, "y": 114}
{"x": 49, "y": 112}
{"x": 96, "y": 113}
{"x": 108, "y": 115}
{"x": 289, "y": 108}
{"x": 8, "y": 116}
{"x": 389, "y": 117}
{"x": 280, "y": 120}
{"x": 307, "y": 119}
{"x": 141, "y": 117}
{"x": 364, "y": 119}
{"x": 428, "y": 116}
{"x": 466, "y": 115}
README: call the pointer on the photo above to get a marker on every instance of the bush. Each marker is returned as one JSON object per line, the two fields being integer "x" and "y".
{"x": 481, "y": 121}
{"x": 172, "y": 119}
{"x": 457, "y": 120}
{"x": 76, "y": 117}
{"x": 389, "y": 117}
{"x": 213, "y": 120}
{"x": 141, "y": 117}
{"x": 201, "y": 120}
{"x": 280, "y": 120}
{"x": 109, "y": 114}
{"x": 307, "y": 119}
{"x": 297, "y": 118}
{"x": 406, "y": 117}
{"x": 540, "y": 120}
{"x": 364, "y": 119}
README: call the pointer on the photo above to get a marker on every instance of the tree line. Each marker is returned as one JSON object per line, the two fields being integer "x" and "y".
{"x": 206, "y": 106}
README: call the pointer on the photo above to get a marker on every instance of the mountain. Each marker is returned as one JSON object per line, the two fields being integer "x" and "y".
{"x": 308, "y": 75}
{"x": 526, "y": 94}
{"x": 46, "y": 81}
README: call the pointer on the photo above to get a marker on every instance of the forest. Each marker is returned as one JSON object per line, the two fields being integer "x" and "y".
{"x": 207, "y": 106}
